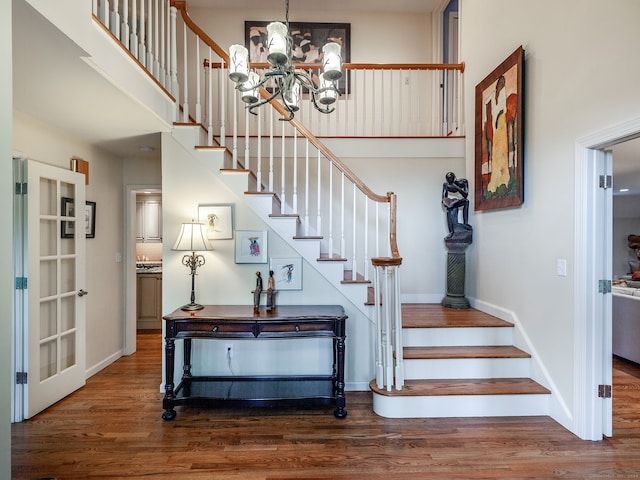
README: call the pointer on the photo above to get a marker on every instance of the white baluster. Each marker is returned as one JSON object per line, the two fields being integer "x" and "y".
{"x": 124, "y": 27}
{"x": 330, "y": 209}
{"x": 209, "y": 101}
{"x": 174, "y": 54}
{"x": 366, "y": 238}
{"x": 259, "y": 152}
{"x": 185, "y": 78}
{"x": 103, "y": 12}
{"x": 377, "y": 230}
{"x": 379, "y": 369}
{"x": 234, "y": 151}
{"x": 94, "y": 8}
{"x": 142, "y": 49}
{"x": 397, "y": 317}
{"x": 149, "y": 39}
{"x": 133, "y": 37}
{"x": 114, "y": 20}
{"x": 223, "y": 111}
{"x": 156, "y": 42}
{"x": 319, "y": 206}
{"x": 162, "y": 72}
{"x": 282, "y": 177}
{"x": 271, "y": 150}
{"x": 247, "y": 166}
{"x": 295, "y": 171}
{"x": 354, "y": 231}
{"x": 342, "y": 213}
{"x": 198, "y": 105}
{"x": 306, "y": 190}
{"x": 388, "y": 347}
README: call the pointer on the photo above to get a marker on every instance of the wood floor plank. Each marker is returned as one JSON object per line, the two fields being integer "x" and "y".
{"x": 112, "y": 429}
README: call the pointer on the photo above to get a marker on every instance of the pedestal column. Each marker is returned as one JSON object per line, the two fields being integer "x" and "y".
{"x": 456, "y": 266}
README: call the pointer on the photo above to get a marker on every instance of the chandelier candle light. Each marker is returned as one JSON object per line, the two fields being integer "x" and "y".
{"x": 192, "y": 238}
{"x": 288, "y": 80}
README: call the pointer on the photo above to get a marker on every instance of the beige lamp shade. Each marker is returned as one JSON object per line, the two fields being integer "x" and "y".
{"x": 192, "y": 238}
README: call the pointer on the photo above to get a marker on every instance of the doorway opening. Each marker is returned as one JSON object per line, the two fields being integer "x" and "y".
{"x": 143, "y": 282}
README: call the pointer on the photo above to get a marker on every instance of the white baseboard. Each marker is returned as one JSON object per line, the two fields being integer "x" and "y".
{"x": 103, "y": 364}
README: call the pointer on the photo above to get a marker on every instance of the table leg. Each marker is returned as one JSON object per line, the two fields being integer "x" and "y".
{"x": 169, "y": 395}
{"x": 186, "y": 368}
{"x": 341, "y": 399}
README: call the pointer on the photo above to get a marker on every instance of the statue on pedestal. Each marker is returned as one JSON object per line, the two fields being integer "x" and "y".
{"x": 454, "y": 198}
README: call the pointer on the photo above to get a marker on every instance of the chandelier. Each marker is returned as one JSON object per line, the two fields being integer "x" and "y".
{"x": 287, "y": 82}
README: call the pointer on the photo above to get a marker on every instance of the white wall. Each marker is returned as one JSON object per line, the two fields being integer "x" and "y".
{"x": 6, "y": 199}
{"x": 375, "y": 37}
{"x": 573, "y": 87}
{"x": 45, "y": 144}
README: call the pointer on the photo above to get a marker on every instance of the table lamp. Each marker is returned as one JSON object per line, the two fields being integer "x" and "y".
{"x": 192, "y": 239}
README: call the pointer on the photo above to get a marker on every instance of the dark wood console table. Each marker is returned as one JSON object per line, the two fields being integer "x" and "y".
{"x": 242, "y": 322}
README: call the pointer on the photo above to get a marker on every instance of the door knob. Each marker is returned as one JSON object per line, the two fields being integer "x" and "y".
{"x": 82, "y": 293}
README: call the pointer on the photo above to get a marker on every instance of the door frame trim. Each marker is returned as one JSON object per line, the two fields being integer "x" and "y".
{"x": 590, "y": 355}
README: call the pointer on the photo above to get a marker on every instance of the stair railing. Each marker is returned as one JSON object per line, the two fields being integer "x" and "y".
{"x": 357, "y": 226}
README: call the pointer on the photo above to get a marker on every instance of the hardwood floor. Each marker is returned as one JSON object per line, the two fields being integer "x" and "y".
{"x": 112, "y": 429}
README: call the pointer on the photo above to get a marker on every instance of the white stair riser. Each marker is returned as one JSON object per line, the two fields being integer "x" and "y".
{"x": 286, "y": 226}
{"x": 467, "y": 368}
{"x": 462, "y": 337}
{"x": 308, "y": 247}
{"x": 460, "y": 406}
{"x": 187, "y": 135}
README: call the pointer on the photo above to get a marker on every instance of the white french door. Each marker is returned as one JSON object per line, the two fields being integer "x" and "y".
{"x": 53, "y": 310}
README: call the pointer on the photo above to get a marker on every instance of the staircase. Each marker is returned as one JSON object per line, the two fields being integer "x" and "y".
{"x": 460, "y": 363}
{"x": 457, "y": 363}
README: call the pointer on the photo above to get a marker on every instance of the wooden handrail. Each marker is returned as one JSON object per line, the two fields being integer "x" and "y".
{"x": 365, "y": 66}
{"x": 373, "y": 66}
{"x": 389, "y": 198}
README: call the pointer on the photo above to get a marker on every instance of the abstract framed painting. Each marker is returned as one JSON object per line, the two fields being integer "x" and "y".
{"x": 499, "y": 134}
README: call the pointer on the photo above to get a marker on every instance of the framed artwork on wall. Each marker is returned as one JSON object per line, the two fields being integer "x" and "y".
{"x": 67, "y": 228}
{"x": 287, "y": 273}
{"x": 217, "y": 219}
{"x": 499, "y": 169}
{"x": 308, "y": 40}
{"x": 251, "y": 246}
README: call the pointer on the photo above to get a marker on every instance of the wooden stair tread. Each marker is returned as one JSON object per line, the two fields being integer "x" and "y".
{"x": 428, "y": 353}
{"x": 481, "y": 386}
{"x": 324, "y": 257}
{"x": 433, "y": 315}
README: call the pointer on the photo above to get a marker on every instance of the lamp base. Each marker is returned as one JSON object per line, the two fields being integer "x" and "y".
{"x": 189, "y": 307}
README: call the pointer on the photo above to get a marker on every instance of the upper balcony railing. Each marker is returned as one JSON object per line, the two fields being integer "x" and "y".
{"x": 378, "y": 100}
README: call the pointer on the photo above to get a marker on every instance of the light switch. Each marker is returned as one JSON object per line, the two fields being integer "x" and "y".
{"x": 562, "y": 267}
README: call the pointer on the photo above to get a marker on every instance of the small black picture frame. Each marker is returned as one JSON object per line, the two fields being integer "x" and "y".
{"x": 67, "y": 228}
